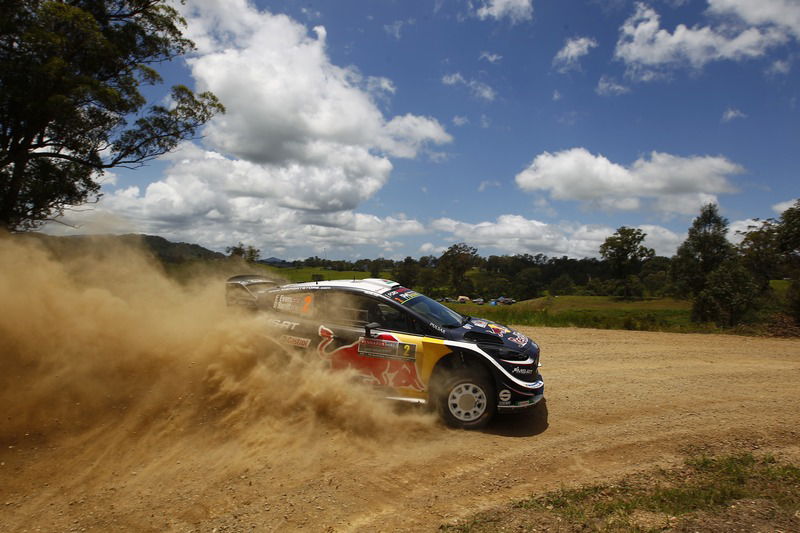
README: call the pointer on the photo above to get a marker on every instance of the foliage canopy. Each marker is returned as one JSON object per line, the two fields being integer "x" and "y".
{"x": 70, "y": 77}
{"x": 625, "y": 252}
{"x": 706, "y": 247}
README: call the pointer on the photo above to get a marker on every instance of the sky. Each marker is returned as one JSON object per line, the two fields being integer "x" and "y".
{"x": 394, "y": 128}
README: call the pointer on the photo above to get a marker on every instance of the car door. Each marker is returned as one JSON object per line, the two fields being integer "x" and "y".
{"x": 389, "y": 356}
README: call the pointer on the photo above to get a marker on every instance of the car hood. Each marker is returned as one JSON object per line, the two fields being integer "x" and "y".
{"x": 482, "y": 330}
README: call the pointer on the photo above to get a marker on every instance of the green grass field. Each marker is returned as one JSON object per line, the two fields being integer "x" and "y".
{"x": 780, "y": 286}
{"x": 603, "y": 312}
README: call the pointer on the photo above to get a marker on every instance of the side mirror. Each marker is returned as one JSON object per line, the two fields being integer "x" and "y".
{"x": 369, "y": 327}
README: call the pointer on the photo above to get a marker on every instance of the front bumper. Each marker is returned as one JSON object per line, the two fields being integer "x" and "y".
{"x": 510, "y": 398}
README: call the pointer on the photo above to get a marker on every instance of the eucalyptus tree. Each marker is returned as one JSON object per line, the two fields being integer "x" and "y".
{"x": 71, "y": 104}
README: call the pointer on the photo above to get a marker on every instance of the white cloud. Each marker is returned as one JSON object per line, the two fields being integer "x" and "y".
{"x": 491, "y": 58}
{"x": 780, "y": 66}
{"x": 662, "y": 182}
{"x": 477, "y": 88}
{"x": 395, "y": 28}
{"x": 376, "y": 85}
{"x": 488, "y": 183}
{"x": 454, "y": 79}
{"x": 783, "y": 14}
{"x": 303, "y": 142}
{"x": 556, "y": 95}
{"x": 287, "y": 104}
{"x": 216, "y": 201}
{"x": 731, "y": 114}
{"x": 515, "y": 10}
{"x": 311, "y": 13}
{"x": 460, "y": 120}
{"x": 738, "y": 227}
{"x": 648, "y": 50}
{"x": 608, "y": 86}
{"x": 405, "y": 135}
{"x": 783, "y": 206}
{"x": 516, "y": 234}
{"x": 568, "y": 58}
{"x": 664, "y": 241}
{"x": 429, "y": 248}
{"x": 568, "y": 118}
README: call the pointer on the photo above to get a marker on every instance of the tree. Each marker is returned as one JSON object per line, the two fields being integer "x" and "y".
{"x": 655, "y": 275}
{"x": 247, "y": 253}
{"x": 406, "y": 272}
{"x": 527, "y": 283}
{"x": 625, "y": 252}
{"x": 656, "y": 283}
{"x": 788, "y": 234}
{"x": 429, "y": 280}
{"x": 70, "y": 73}
{"x": 706, "y": 247}
{"x": 455, "y": 262}
{"x": 788, "y": 237}
{"x": 760, "y": 252}
{"x": 629, "y": 288}
{"x": 729, "y": 294}
{"x": 562, "y": 285}
{"x": 376, "y": 266}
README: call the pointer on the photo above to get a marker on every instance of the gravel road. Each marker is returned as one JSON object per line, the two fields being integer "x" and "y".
{"x": 617, "y": 402}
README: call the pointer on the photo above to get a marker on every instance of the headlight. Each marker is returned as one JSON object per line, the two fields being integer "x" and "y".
{"x": 501, "y": 352}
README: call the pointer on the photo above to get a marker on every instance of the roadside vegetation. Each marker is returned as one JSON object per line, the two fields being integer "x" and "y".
{"x": 602, "y": 312}
{"x": 710, "y": 284}
{"x": 739, "y": 492}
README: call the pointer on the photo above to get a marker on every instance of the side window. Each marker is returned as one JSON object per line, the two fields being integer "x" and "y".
{"x": 393, "y": 318}
{"x": 303, "y": 304}
{"x": 349, "y": 309}
{"x": 357, "y": 310}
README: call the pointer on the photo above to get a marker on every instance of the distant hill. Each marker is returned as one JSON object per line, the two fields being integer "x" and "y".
{"x": 275, "y": 261}
{"x": 176, "y": 252}
{"x": 166, "y": 251}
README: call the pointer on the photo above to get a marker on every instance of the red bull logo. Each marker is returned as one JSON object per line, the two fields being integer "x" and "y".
{"x": 382, "y": 360}
{"x": 499, "y": 330}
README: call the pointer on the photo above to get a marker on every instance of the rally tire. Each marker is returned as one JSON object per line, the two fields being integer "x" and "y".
{"x": 466, "y": 399}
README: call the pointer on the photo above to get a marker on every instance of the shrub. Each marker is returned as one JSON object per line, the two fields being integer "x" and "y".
{"x": 730, "y": 293}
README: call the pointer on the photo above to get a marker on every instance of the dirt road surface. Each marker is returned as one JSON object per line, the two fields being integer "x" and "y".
{"x": 617, "y": 402}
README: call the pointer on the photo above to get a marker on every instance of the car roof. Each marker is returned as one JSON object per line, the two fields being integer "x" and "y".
{"x": 246, "y": 279}
{"x": 373, "y": 285}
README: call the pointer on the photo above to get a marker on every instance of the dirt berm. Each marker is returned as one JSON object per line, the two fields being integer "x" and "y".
{"x": 128, "y": 403}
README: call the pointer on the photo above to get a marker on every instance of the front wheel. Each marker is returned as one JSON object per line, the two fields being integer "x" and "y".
{"x": 466, "y": 399}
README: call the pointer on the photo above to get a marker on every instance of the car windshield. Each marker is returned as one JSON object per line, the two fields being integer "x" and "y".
{"x": 434, "y": 311}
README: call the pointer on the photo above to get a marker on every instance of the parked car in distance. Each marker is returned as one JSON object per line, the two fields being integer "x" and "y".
{"x": 410, "y": 346}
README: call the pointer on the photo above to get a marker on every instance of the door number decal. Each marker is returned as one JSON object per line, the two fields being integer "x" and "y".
{"x": 387, "y": 349}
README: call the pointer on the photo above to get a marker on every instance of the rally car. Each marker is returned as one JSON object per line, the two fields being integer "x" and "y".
{"x": 415, "y": 348}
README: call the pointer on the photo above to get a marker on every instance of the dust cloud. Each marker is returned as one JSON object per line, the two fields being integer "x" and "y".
{"x": 96, "y": 340}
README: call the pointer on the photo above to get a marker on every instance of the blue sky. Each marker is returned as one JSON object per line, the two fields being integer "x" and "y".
{"x": 365, "y": 128}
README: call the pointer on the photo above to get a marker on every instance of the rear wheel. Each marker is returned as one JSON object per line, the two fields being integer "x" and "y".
{"x": 466, "y": 398}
